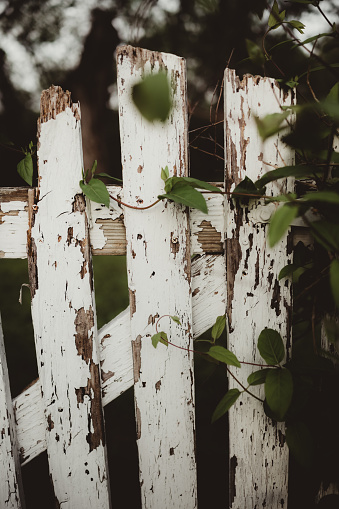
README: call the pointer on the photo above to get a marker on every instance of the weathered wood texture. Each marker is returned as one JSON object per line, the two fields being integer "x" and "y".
{"x": 159, "y": 279}
{"x": 209, "y": 289}
{"x": 107, "y": 229}
{"x": 63, "y": 312}
{"x": 11, "y": 491}
{"x": 255, "y": 297}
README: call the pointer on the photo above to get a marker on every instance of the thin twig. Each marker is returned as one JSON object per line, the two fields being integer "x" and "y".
{"x": 132, "y": 206}
{"x": 209, "y": 153}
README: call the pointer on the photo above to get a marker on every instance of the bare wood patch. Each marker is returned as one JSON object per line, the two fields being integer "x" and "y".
{"x": 84, "y": 323}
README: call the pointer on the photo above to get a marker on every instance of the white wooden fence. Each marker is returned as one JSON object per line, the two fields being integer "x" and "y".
{"x": 82, "y": 369}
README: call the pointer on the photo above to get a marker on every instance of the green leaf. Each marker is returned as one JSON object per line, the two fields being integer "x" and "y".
{"x": 255, "y": 53}
{"x": 322, "y": 196}
{"x": 94, "y": 167}
{"x": 333, "y": 94}
{"x": 326, "y": 234}
{"x": 297, "y": 25}
{"x": 164, "y": 173}
{"x": 160, "y": 337}
{"x": 176, "y": 320}
{"x": 186, "y": 195}
{"x": 279, "y": 391}
{"x": 247, "y": 186}
{"x": 25, "y": 169}
{"x": 271, "y": 124}
{"x": 190, "y": 181}
{"x": 152, "y": 97}
{"x": 275, "y": 16}
{"x": 218, "y": 327}
{"x": 271, "y": 346}
{"x": 225, "y": 404}
{"x": 314, "y": 38}
{"x": 223, "y": 355}
{"x": 96, "y": 191}
{"x": 334, "y": 279}
{"x": 258, "y": 377}
{"x": 281, "y": 197}
{"x": 297, "y": 171}
{"x": 300, "y": 443}
{"x": 106, "y": 175}
{"x": 287, "y": 270}
{"x": 280, "y": 221}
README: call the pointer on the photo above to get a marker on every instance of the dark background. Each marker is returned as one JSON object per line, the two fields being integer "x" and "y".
{"x": 210, "y": 34}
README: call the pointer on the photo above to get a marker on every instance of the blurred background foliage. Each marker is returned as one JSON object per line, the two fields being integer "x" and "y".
{"x": 72, "y": 43}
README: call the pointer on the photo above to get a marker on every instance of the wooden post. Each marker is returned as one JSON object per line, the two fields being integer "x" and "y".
{"x": 255, "y": 297}
{"x": 11, "y": 491}
{"x": 159, "y": 278}
{"x": 63, "y": 312}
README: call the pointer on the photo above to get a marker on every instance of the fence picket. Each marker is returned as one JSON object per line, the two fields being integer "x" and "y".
{"x": 11, "y": 490}
{"x": 159, "y": 274}
{"x": 255, "y": 297}
{"x": 63, "y": 312}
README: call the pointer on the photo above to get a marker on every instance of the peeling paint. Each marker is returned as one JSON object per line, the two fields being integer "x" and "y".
{"x": 96, "y": 435}
{"x": 233, "y": 490}
{"x": 84, "y": 323}
{"x": 136, "y": 348}
{"x": 138, "y": 422}
{"x": 132, "y": 302}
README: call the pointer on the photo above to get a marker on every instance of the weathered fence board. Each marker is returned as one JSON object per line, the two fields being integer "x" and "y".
{"x": 63, "y": 312}
{"x": 11, "y": 491}
{"x": 107, "y": 229}
{"x": 255, "y": 297}
{"x": 159, "y": 276}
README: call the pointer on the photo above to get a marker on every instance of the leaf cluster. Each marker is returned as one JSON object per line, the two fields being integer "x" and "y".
{"x": 184, "y": 190}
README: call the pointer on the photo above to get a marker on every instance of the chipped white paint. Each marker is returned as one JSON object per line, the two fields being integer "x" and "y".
{"x": 13, "y": 229}
{"x": 63, "y": 313}
{"x": 255, "y": 297}
{"x": 208, "y": 276}
{"x": 11, "y": 491}
{"x": 158, "y": 265}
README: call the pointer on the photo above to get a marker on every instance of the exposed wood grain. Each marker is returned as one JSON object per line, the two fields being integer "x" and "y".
{"x": 159, "y": 274}
{"x": 255, "y": 297}
{"x": 63, "y": 312}
{"x": 11, "y": 490}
